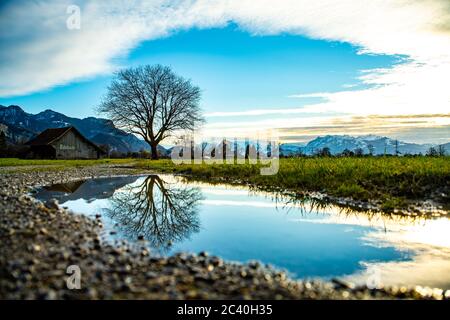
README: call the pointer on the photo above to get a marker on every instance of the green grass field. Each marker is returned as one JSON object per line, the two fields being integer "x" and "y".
{"x": 14, "y": 162}
{"x": 389, "y": 179}
{"x": 10, "y": 165}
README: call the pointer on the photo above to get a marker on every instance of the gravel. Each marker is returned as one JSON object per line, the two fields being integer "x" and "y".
{"x": 39, "y": 241}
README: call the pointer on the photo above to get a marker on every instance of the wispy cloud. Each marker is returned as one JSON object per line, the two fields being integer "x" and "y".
{"x": 422, "y": 128}
{"x": 40, "y": 52}
{"x": 410, "y": 88}
{"x": 320, "y": 95}
{"x": 254, "y": 112}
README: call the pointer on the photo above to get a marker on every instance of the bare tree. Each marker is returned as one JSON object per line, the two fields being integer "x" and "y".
{"x": 396, "y": 144}
{"x": 152, "y": 102}
{"x": 347, "y": 153}
{"x": 371, "y": 149}
{"x": 324, "y": 152}
{"x": 161, "y": 212}
{"x": 432, "y": 152}
{"x": 359, "y": 152}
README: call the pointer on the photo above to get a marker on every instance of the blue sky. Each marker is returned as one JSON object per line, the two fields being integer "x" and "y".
{"x": 235, "y": 70}
{"x": 303, "y": 68}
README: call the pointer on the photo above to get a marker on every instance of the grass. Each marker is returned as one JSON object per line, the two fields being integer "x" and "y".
{"x": 12, "y": 165}
{"x": 392, "y": 180}
{"x": 14, "y": 162}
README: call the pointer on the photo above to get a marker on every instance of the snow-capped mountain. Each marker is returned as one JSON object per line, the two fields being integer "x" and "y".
{"x": 368, "y": 144}
{"x": 337, "y": 144}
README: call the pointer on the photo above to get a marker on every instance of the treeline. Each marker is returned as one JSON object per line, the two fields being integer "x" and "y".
{"x": 142, "y": 154}
{"x": 438, "y": 151}
{"x": 229, "y": 150}
{"x": 9, "y": 150}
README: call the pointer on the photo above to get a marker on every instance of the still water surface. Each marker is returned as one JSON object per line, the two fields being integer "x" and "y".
{"x": 238, "y": 224}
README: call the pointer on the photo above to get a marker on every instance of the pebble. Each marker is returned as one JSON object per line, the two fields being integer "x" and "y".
{"x": 52, "y": 204}
{"x": 121, "y": 272}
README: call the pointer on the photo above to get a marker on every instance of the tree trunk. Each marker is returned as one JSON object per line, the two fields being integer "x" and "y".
{"x": 154, "y": 151}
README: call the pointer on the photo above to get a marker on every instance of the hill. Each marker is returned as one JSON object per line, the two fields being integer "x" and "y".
{"x": 22, "y": 126}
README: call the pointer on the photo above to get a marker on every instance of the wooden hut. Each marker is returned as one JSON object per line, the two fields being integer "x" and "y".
{"x": 63, "y": 143}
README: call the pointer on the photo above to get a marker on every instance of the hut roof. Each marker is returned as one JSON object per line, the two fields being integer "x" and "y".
{"x": 50, "y": 135}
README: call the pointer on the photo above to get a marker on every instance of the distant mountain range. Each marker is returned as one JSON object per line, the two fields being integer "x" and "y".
{"x": 22, "y": 126}
{"x": 338, "y": 143}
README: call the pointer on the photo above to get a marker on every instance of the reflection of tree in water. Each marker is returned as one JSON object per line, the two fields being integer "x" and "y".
{"x": 159, "y": 212}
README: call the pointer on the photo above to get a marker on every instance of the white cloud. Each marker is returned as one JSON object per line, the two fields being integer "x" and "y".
{"x": 41, "y": 52}
{"x": 410, "y": 88}
{"x": 254, "y": 112}
{"x": 321, "y": 95}
{"x": 420, "y": 128}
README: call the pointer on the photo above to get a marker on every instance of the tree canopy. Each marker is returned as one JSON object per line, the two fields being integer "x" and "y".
{"x": 152, "y": 102}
